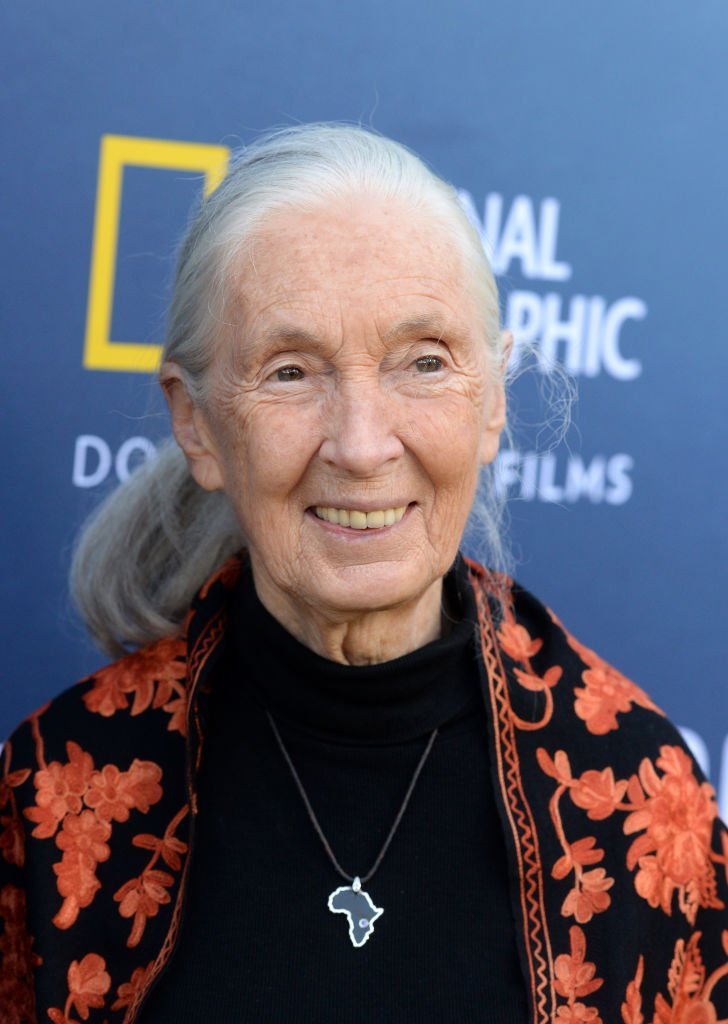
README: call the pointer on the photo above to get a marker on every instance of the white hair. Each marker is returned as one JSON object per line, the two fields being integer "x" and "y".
{"x": 156, "y": 538}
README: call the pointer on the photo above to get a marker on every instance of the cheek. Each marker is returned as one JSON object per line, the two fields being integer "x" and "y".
{"x": 449, "y": 448}
{"x": 267, "y": 453}
{"x": 451, "y": 438}
{"x": 455, "y": 491}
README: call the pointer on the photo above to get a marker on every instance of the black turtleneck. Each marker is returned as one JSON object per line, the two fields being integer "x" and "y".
{"x": 258, "y": 943}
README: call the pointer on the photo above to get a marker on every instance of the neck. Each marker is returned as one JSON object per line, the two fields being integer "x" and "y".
{"x": 361, "y": 637}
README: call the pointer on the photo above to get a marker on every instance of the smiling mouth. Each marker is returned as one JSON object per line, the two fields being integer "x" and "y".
{"x": 356, "y": 519}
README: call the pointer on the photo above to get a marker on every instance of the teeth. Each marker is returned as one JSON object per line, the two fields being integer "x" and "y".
{"x": 358, "y": 520}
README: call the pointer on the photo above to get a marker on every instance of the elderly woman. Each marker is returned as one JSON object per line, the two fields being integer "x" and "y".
{"x": 347, "y": 774}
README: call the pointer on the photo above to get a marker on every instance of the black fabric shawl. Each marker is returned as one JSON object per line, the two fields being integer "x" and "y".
{"x": 616, "y": 860}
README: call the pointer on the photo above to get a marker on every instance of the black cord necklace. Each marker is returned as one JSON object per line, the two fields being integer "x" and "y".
{"x": 352, "y": 900}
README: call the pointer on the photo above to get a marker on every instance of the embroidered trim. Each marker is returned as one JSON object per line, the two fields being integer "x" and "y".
{"x": 199, "y": 655}
{"x": 536, "y": 937}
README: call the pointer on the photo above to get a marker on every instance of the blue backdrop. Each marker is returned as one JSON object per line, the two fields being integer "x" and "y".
{"x": 590, "y": 145}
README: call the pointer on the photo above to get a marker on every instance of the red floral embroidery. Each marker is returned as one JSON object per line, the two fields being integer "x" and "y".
{"x": 61, "y": 788}
{"x": 140, "y": 898}
{"x": 17, "y": 991}
{"x": 84, "y": 801}
{"x": 88, "y": 983}
{"x": 582, "y": 852}
{"x": 83, "y": 840}
{"x": 108, "y": 796}
{"x": 606, "y": 692}
{"x": 129, "y": 989}
{"x": 577, "y": 1013}
{"x": 154, "y": 676}
{"x": 598, "y": 793}
{"x": 576, "y": 979}
{"x": 519, "y": 645}
{"x": 632, "y": 1005}
{"x": 590, "y": 896}
{"x": 517, "y": 642}
{"x": 674, "y": 812}
{"x": 689, "y": 988}
{"x": 676, "y": 815}
{"x": 172, "y": 698}
{"x": 168, "y": 848}
{"x": 595, "y": 791}
{"x": 12, "y": 840}
{"x": 112, "y": 794}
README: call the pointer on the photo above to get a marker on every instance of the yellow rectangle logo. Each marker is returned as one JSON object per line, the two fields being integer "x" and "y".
{"x": 118, "y": 152}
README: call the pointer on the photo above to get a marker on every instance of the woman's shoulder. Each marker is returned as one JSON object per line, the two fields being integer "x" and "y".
{"x": 134, "y": 707}
{"x": 563, "y": 694}
{"x": 139, "y": 702}
{"x": 609, "y": 808}
{"x": 604, "y": 691}
{"x": 93, "y": 792}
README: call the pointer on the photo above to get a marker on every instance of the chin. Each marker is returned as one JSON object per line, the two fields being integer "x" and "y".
{"x": 375, "y": 587}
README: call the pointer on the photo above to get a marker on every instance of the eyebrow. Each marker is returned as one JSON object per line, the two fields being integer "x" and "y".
{"x": 292, "y": 334}
{"x": 433, "y": 325}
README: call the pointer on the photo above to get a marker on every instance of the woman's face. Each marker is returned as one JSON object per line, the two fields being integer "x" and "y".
{"x": 351, "y": 375}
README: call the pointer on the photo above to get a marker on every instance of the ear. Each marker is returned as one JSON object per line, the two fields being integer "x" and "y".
{"x": 191, "y": 430}
{"x": 495, "y": 412}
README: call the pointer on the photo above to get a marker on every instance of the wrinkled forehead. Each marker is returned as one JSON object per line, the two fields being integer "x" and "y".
{"x": 365, "y": 257}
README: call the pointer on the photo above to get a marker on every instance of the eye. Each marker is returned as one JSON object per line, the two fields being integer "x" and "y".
{"x": 429, "y": 364}
{"x": 286, "y": 374}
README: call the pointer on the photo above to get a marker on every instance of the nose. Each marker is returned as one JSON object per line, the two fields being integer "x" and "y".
{"x": 360, "y": 435}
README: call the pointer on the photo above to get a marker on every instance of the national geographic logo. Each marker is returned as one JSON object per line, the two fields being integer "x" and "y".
{"x": 101, "y": 351}
{"x": 585, "y": 334}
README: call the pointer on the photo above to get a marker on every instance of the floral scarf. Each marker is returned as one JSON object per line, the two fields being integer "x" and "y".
{"x": 618, "y": 861}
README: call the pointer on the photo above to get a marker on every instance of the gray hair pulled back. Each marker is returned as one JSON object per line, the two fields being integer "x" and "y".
{"x": 152, "y": 543}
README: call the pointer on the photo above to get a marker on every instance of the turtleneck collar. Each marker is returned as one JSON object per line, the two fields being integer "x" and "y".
{"x": 391, "y": 702}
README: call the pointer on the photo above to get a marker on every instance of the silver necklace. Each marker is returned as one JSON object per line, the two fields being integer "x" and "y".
{"x": 352, "y": 900}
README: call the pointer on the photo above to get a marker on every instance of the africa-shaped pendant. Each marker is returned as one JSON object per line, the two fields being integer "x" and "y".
{"x": 359, "y": 909}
